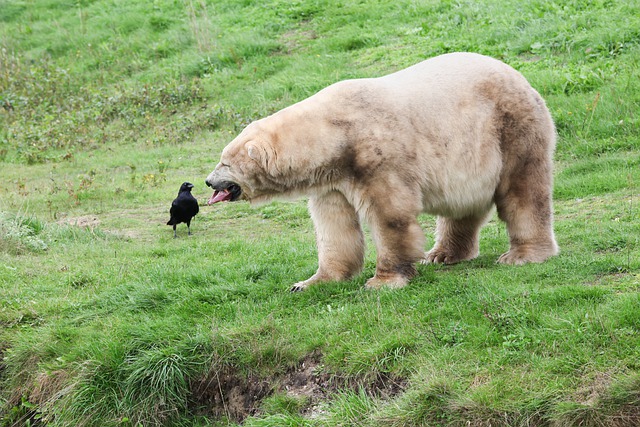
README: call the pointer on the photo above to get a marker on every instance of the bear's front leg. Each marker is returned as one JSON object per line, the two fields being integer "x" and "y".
{"x": 399, "y": 243}
{"x": 339, "y": 238}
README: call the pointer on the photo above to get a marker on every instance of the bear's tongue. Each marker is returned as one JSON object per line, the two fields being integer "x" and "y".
{"x": 219, "y": 196}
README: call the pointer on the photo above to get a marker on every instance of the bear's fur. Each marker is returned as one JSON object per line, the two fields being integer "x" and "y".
{"x": 452, "y": 136}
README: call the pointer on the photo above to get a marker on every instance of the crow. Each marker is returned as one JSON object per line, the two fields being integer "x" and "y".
{"x": 183, "y": 208}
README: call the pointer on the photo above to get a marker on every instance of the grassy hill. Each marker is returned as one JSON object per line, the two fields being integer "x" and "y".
{"x": 107, "y": 106}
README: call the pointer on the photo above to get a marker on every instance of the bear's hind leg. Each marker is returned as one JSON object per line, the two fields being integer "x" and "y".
{"x": 339, "y": 238}
{"x": 456, "y": 239}
{"x": 524, "y": 204}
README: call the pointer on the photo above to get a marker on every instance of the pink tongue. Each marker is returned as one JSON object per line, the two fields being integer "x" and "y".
{"x": 219, "y": 196}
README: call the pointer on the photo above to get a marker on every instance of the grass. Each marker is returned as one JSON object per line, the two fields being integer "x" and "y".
{"x": 106, "y": 107}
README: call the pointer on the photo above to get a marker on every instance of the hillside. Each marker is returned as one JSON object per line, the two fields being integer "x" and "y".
{"x": 107, "y": 106}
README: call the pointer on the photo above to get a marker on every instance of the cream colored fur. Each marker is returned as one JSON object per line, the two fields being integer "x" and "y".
{"x": 452, "y": 136}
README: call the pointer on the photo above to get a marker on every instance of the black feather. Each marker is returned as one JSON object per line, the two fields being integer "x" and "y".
{"x": 183, "y": 208}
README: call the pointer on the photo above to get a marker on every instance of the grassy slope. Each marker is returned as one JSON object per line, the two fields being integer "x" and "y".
{"x": 107, "y": 106}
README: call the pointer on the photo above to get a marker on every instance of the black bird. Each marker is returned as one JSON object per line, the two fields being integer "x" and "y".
{"x": 183, "y": 208}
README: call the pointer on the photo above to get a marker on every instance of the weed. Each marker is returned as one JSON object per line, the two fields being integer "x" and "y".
{"x": 19, "y": 234}
{"x": 199, "y": 23}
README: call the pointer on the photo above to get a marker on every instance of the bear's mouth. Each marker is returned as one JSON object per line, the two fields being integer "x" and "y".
{"x": 225, "y": 192}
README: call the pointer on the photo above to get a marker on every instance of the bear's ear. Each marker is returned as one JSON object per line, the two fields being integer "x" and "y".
{"x": 262, "y": 153}
{"x": 254, "y": 152}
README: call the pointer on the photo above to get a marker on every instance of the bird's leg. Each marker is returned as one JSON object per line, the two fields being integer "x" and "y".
{"x": 174, "y": 231}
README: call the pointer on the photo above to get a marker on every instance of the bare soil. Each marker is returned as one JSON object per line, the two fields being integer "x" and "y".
{"x": 227, "y": 394}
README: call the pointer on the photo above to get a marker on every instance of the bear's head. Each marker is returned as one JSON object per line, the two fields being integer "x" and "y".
{"x": 247, "y": 169}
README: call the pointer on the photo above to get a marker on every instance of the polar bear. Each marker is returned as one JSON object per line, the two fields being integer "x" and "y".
{"x": 452, "y": 136}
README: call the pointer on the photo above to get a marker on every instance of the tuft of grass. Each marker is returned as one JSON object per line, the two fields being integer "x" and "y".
{"x": 20, "y": 234}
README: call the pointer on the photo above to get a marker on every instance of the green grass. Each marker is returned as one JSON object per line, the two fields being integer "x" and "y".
{"x": 106, "y": 107}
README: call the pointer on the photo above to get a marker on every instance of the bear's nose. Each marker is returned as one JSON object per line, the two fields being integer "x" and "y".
{"x": 207, "y": 182}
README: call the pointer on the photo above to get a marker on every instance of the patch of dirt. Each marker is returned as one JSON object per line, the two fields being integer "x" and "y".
{"x": 310, "y": 379}
{"x": 307, "y": 380}
{"x": 88, "y": 221}
{"x": 228, "y": 394}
